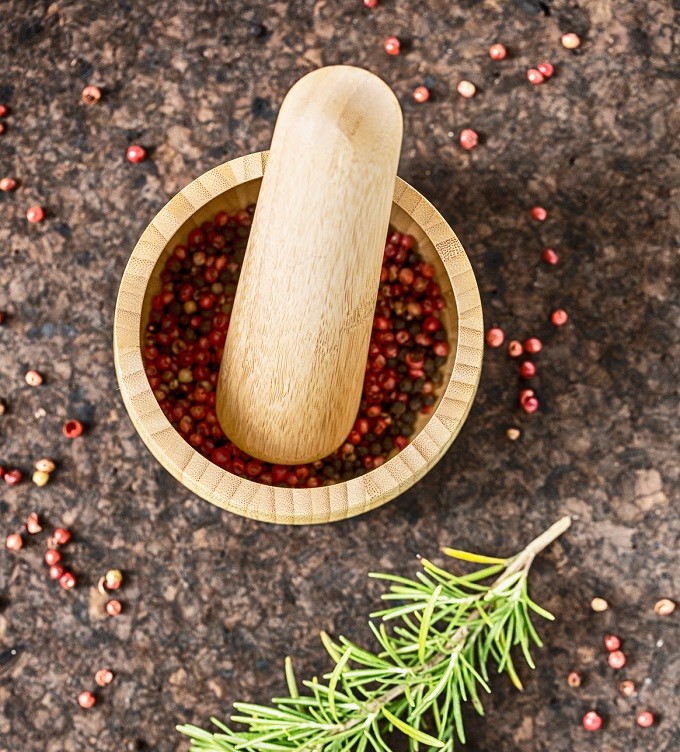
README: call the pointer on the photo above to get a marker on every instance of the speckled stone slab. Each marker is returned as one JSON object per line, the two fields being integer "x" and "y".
{"x": 213, "y": 602}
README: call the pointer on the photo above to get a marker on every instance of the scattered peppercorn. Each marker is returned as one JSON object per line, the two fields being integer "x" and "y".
{"x": 72, "y": 429}
{"x": 52, "y": 557}
{"x": 468, "y": 139}
{"x": 3, "y": 128}
{"x": 574, "y": 679}
{"x": 371, "y": 3}
{"x": 33, "y": 378}
{"x": 13, "y": 477}
{"x": 570, "y": 41}
{"x": 515, "y": 348}
{"x": 61, "y": 536}
{"x": 8, "y": 184}
{"x": 530, "y": 405}
{"x": 87, "y": 700}
{"x": 14, "y": 542}
{"x": 135, "y": 154}
{"x": 33, "y": 526}
{"x": 113, "y": 607}
{"x": 535, "y": 76}
{"x": 645, "y": 719}
{"x": 664, "y": 607}
{"x": 592, "y": 721}
{"x": 627, "y": 688}
{"x": 45, "y": 465}
{"x": 513, "y": 433}
{"x": 91, "y": 94}
{"x": 495, "y": 337}
{"x": 546, "y": 69}
{"x": 103, "y": 677}
{"x": 4, "y": 110}
{"x": 533, "y": 345}
{"x": 40, "y": 479}
{"x": 421, "y": 94}
{"x": 559, "y": 317}
{"x": 392, "y": 46}
{"x": 550, "y": 257}
{"x": 498, "y": 51}
{"x": 612, "y": 642}
{"x": 599, "y": 604}
{"x": 68, "y": 581}
{"x": 539, "y": 213}
{"x": 616, "y": 659}
{"x": 56, "y": 572}
{"x": 35, "y": 214}
{"x": 466, "y": 89}
{"x": 527, "y": 369}
{"x": 113, "y": 579}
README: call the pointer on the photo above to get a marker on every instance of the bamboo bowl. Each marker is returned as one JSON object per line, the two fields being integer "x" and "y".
{"x": 230, "y": 187}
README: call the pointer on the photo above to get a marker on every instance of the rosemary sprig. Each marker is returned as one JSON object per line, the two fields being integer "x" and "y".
{"x": 445, "y": 631}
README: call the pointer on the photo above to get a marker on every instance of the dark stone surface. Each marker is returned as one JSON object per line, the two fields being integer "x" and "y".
{"x": 213, "y": 602}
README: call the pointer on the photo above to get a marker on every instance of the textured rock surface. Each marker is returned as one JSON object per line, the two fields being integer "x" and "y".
{"x": 214, "y": 602}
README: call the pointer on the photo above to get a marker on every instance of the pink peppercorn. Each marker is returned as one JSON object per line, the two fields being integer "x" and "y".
{"x": 56, "y": 572}
{"x": 8, "y": 184}
{"x": 392, "y": 46}
{"x": 468, "y": 139}
{"x": 86, "y": 700}
{"x": 570, "y": 41}
{"x": 644, "y": 719}
{"x": 466, "y": 89}
{"x": 114, "y": 607}
{"x": 61, "y": 536}
{"x": 495, "y": 337}
{"x": 612, "y": 642}
{"x": 559, "y": 317}
{"x": 592, "y": 721}
{"x": 515, "y": 348}
{"x": 535, "y": 76}
{"x": 4, "y": 110}
{"x": 91, "y": 94}
{"x": 72, "y": 429}
{"x": 421, "y": 94}
{"x": 533, "y": 345}
{"x": 103, "y": 677}
{"x": 539, "y": 213}
{"x": 135, "y": 153}
{"x": 13, "y": 477}
{"x": 546, "y": 69}
{"x": 14, "y": 542}
{"x": 527, "y": 370}
{"x": 498, "y": 51}
{"x": 530, "y": 405}
{"x": 35, "y": 214}
{"x": 550, "y": 257}
{"x": 616, "y": 659}
{"x": 3, "y": 128}
{"x": 67, "y": 581}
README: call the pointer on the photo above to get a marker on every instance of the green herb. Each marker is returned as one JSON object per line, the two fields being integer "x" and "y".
{"x": 446, "y": 630}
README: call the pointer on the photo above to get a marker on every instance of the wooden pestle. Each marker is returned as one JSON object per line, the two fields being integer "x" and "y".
{"x": 294, "y": 360}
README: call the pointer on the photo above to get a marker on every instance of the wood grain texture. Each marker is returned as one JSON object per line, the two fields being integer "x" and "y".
{"x": 230, "y": 187}
{"x": 295, "y": 356}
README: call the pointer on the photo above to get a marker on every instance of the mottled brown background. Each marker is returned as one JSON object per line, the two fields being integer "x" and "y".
{"x": 214, "y": 602}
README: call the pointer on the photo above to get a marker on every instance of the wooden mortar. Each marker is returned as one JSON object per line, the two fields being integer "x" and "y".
{"x": 231, "y": 187}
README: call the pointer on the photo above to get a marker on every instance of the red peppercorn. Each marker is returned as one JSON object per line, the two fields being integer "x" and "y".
{"x": 530, "y": 405}
{"x": 61, "y": 536}
{"x": 533, "y": 345}
{"x": 515, "y": 348}
{"x": 103, "y": 677}
{"x": 616, "y": 659}
{"x": 3, "y": 128}
{"x": 550, "y": 257}
{"x": 371, "y": 3}
{"x": 627, "y": 688}
{"x": 535, "y": 76}
{"x": 559, "y": 317}
{"x": 13, "y": 477}
{"x": 525, "y": 394}
{"x": 570, "y": 41}
{"x": 135, "y": 154}
{"x": 546, "y": 69}
{"x": 86, "y": 700}
{"x": 495, "y": 337}
{"x": 14, "y": 542}
{"x": 67, "y": 581}
{"x": 91, "y": 95}
{"x": 645, "y": 719}
{"x": 539, "y": 213}
{"x": 8, "y": 184}
{"x": 421, "y": 94}
{"x": 57, "y": 572}
{"x": 468, "y": 139}
{"x": 441, "y": 349}
{"x": 52, "y": 556}
{"x": 72, "y": 429}
{"x": 527, "y": 369}
{"x": 4, "y": 110}
{"x": 498, "y": 51}
{"x": 113, "y": 607}
{"x": 592, "y": 721}
{"x": 33, "y": 378}
{"x": 35, "y": 214}
{"x": 612, "y": 642}
{"x": 392, "y": 46}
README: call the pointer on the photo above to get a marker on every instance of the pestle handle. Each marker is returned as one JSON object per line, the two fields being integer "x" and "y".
{"x": 294, "y": 360}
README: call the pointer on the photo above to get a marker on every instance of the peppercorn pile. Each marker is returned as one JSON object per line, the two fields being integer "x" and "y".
{"x": 110, "y": 110}
{"x": 188, "y": 326}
